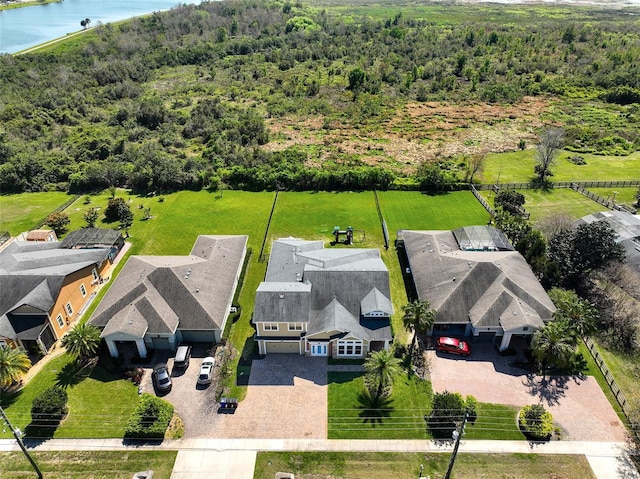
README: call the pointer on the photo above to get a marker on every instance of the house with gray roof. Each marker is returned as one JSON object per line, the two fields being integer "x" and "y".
{"x": 159, "y": 302}
{"x": 45, "y": 288}
{"x": 323, "y": 302}
{"x": 627, "y": 228}
{"x": 488, "y": 293}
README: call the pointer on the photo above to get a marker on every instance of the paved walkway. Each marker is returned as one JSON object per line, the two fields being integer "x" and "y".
{"x": 221, "y": 458}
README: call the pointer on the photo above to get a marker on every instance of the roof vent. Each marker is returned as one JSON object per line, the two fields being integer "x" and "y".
{"x": 281, "y": 296}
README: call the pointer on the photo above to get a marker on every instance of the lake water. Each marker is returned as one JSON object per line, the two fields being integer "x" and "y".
{"x": 25, "y": 27}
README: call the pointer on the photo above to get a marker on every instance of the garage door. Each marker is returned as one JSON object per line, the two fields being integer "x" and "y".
{"x": 288, "y": 347}
{"x": 198, "y": 336}
{"x": 160, "y": 343}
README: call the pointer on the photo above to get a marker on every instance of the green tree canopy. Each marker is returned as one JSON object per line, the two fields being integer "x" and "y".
{"x": 14, "y": 363}
{"x": 419, "y": 318}
{"x": 381, "y": 367}
{"x": 554, "y": 345}
{"x": 82, "y": 341}
{"x": 579, "y": 314}
{"x": 58, "y": 222}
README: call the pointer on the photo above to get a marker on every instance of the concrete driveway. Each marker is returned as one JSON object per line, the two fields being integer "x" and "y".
{"x": 577, "y": 404}
{"x": 286, "y": 399}
{"x": 194, "y": 404}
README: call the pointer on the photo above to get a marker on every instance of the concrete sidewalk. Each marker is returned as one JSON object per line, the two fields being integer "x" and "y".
{"x": 220, "y": 458}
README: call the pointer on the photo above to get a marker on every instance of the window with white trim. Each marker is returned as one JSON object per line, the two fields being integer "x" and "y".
{"x": 3, "y": 344}
{"x": 60, "y": 321}
{"x": 349, "y": 347}
{"x": 68, "y": 308}
{"x": 94, "y": 273}
{"x": 83, "y": 290}
{"x": 270, "y": 326}
{"x": 295, "y": 326}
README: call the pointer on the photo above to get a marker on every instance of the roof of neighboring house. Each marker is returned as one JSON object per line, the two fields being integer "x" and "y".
{"x": 481, "y": 238}
{"x": 303, "y": 279}
{"x": 489, "y": 288}
{"x": 32, "y": 275}
{"x": 92, "y": 238}
{"x": 627, "y": 228}
{"x": 41, "y": 235}
{"x": 159, "y": 294}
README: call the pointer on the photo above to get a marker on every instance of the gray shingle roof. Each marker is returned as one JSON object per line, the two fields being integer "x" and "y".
{"x": 162, "y": 293}
{"x": 337, "y": 276}
{"x": 32, "y": 274}
{"x": 376, "y": 301}
{"x": 472, "y": 285}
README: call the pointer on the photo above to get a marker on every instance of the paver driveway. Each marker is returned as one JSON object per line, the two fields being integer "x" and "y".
{"x": 286, "y": 399}
{"x": 577, "y": 404}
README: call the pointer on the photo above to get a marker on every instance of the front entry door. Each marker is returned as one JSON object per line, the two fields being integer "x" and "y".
{"x": 319, "y": 349}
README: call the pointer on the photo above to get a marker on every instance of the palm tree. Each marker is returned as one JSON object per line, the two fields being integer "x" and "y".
{"x": 580, "y": 315}
{"x": 382, "y": 367}
{"x": 419, "y": 318}
{"x": 553, "y": 344}
{"x": 13, "y": 364}
{"x": 82, "y": 341}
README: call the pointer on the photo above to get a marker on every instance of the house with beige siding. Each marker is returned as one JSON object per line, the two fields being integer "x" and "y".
{"x": 323, "y": 302}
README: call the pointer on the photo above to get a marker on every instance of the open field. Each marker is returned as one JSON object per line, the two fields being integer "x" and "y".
{"x": 99, "y": 403}
{"x": 382, "y": 465}
{"x": 21, "y": 212}
{"x": 517, "y": 167}
{"x": 83, "y": 464}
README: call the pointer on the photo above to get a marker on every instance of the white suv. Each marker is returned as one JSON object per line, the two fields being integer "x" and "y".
{"x": 206, "y": 370}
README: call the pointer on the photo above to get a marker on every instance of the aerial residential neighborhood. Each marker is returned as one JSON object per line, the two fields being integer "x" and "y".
{"x": 253, "y": 240}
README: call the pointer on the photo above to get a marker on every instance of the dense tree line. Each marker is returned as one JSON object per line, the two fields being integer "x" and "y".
{"x": 112, "y": 111}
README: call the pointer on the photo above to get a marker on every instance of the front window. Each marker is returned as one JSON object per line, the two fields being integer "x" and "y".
{"x": 60, "y": 321}
{"x": 349, "y": 347}
{"x": 69, "y": 309}
{"x": 83, "y": 290}
{"x": 94, "y": 273}
{"x": 295, "y": 326}
{"x": 270, "y": 326}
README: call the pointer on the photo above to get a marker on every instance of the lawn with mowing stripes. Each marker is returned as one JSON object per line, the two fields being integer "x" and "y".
{"x": 417, "y": 211}
{"x": 517, "y": 167}
{"x": 543, "y": 203}
{"x": 19, "y": 213}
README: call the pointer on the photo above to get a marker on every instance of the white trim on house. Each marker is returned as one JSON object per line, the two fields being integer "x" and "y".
{"x": 270, "y": 326}
{"x": 60, "y": 321}
{"x": 349, "y": 348}
{"x": 295, "y": 327}
{"x": 68, "y": 308}
{"x": 83, "y": 290}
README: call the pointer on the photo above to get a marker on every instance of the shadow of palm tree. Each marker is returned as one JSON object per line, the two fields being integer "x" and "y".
{"x": 72, "y": 373}
{"x": 374, "y": 409}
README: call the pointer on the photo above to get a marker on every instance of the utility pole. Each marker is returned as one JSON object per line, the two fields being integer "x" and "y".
{"x": 457, "y": 436}
{"x": 16, "y": 433}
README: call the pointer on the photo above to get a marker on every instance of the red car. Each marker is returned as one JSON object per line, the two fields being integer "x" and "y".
{"x": 453, "y": 345}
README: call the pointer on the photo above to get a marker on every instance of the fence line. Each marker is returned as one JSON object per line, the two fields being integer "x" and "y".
{"x": 560, "y": 184}
{"x": 262, "y": 258}
{"x": 615, "y": 389}
{"x": 482, "y": 201}
{"x": 60, "y": 208}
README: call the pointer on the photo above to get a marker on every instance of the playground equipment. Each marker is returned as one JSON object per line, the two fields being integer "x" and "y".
{"x": 348, "y": 234}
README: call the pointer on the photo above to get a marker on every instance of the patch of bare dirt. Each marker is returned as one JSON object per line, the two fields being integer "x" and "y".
{"x": 417, "y": 132}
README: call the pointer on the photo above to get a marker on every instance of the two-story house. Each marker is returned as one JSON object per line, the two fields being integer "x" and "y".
{"x": 323, "y": 302}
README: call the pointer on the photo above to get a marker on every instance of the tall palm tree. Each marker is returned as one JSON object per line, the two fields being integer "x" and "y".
{"x": 553, "y": 344}
{"x": 82, "y": 341}
{"x": 382, "y": 367}
{"x": 580, "y": 315}
{"x": 13, "y": 364}
{"x": 418, "y": 318}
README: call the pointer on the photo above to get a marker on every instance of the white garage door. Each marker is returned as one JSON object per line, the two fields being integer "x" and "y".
{"x": 283, "y": 347}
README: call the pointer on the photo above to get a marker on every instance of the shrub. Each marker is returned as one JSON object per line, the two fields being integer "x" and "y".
{"x": 50, "y": 407}
{"x": 448, "y": 409}
{"x": 536, "y": 422}
{"x": 471, "y": 408}
{"x": 150, "y": 419}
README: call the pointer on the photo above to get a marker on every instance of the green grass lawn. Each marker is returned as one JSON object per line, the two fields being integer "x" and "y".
{"x": 401, "y": 417}
{"x": 495, "y": 421}
{"x": 417, "y": 211}
{"x": 383, "y": 465}
{"x": 517, "y": 167}
{"x": 21, "y": 212}
{"x": 555, "y": 201}
{"x": 621, "y": 195}
{"x": 626, "y": 371}
{"x": 85, "y": 464}
{"x": 99, "y": 403}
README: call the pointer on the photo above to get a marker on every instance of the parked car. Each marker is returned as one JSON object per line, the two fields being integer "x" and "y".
{"x": 161, "y": 377}
{"x": 453, "y": 345}
{"x": 206, "y": 370}
{"x": 183, "y": 354}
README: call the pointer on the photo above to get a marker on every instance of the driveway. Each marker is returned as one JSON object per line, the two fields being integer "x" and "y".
{"x": 194, "y": 404}
{"x": 286, "y": 399}
{"x": 578, "y": 404}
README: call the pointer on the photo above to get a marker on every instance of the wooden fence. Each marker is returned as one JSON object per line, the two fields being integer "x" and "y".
{"x": 561, "y": 184}
{"x": 615, "y": 389}
{"x": 482, "y": 201}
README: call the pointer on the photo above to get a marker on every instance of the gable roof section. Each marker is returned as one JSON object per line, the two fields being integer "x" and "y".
{"x": 165, "y": 293}
{"x": 480, "y": 286}
{"x": 376, "y": 301}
